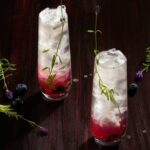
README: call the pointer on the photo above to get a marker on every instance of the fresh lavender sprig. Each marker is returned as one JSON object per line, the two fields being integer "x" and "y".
{"x": 145, "y": 65}
{"x": 97, "y": 10}
{"x": 109, "y": 93}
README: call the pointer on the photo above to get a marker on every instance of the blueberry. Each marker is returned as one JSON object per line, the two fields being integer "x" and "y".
{"x": 59, "y": 89}
{"x": 132, "y": 89}
{"x": 21, "y": 89}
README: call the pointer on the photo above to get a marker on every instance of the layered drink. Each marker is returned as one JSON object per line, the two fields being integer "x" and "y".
{"x": 54, "y": 61}
{"x": 109, "y": 118}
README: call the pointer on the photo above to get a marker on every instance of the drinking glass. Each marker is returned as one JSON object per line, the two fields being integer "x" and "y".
{"x": 109, "y": 116}
{"x": 54, "y": 60}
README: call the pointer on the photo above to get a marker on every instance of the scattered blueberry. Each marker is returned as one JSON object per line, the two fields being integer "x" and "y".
{"x": 132, "y": 89}
{"x": 21, "y": 89}
{"x": 59, "y": 89}
{"x": 9, "y": 94}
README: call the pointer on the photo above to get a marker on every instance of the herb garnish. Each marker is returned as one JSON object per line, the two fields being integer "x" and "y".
{"x": 51, "y": 75}
{"x": 6, "y": 69}
{"x": 108, "y": 92}
{"x": 145, "y": 65}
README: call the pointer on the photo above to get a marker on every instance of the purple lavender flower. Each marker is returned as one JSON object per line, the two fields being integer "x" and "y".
{"x": 98, "y": 8}
{"x": 9, "y": 94}
{"x": 139, "y": 75}
{"x": 43, "y": 131}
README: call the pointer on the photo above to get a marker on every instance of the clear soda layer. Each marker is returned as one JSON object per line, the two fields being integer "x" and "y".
{"x": 54, "y": 61}
{"x": 109, "y": 119}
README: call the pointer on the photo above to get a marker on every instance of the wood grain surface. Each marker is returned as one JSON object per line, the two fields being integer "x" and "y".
{"x": 125, "y": 25}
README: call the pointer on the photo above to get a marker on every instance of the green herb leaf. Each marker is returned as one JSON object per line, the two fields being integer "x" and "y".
{"x": 45, "y": 50}
{"x": 4, "y": 60}
{"x": 146, "y": 65}
{"x": 59, "y": 59}
{"x": 45, "y": 68}
{"x": 109, "y": 93}
{"x": 8, "y": 111}
{"x": 96, "y": 51}
{"x": 147, "y": 49}
{"x": 64, "y": 66}
{"x": 90, "y": 31}
{"x": 8, "y": 75}
{"x": 53, "y": 61}
{"x": 99, "y": 31}
{"x": 51, "y": 79}
{"x": 5, "y": 68}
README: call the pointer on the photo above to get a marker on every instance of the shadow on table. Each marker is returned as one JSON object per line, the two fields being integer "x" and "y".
{"x": 35, "y": 108}
{"x": 91, "y": 145}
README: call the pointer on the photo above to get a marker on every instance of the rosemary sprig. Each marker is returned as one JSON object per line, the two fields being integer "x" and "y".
{"x": 51, "y": 76}
{"x": 5, "y": 71}
{"x": 146, "y": 65}
{"x": 108, "y": 92}
{"x": 8, "y": 111}
{"x": 5, "y": 68}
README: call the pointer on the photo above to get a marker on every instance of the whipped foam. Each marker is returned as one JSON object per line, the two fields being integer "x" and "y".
{"x": 112, "y": 69}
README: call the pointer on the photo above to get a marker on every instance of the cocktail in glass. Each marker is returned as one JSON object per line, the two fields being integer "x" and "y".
{"x": 54, "y": 61}
{"x": 109, "y": 116}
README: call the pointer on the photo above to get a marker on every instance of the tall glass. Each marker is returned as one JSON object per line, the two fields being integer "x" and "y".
{"x": 109, "y": 118}
{"x": 54, "y": 60}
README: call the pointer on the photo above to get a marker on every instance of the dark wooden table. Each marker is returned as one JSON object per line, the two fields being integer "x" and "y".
{"x": 125, "y": 25}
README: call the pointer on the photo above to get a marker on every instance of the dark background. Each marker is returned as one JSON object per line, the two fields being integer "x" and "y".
{"x": 125, "y": 25}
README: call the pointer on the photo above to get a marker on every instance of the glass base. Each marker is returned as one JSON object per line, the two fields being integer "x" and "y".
{"x": 53, "y": 99}
{"x": 112, "y": 143}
